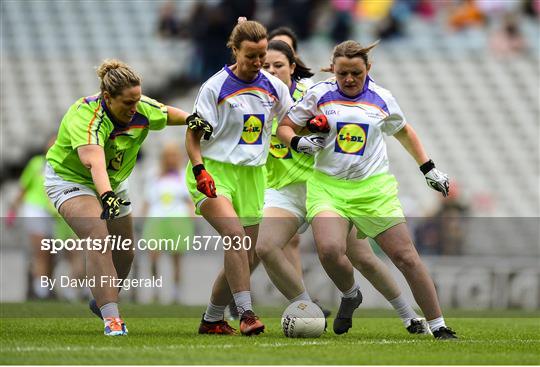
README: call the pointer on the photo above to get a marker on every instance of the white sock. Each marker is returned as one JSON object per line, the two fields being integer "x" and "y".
{"x": 214, "y": 312}
{"x": 403, "y": 309}
{"x": 436, "y": 324}
{"x": 351, "y": 293}
{"x": 304, "y": 296}
{"x": 110, "y": 310}
{"x": 243, "y": 301}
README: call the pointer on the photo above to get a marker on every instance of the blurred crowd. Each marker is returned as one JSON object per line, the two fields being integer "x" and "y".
{"x": 208, "y": 24}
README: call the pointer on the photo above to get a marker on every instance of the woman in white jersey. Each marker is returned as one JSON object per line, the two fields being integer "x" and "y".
{"x": 285, "y": 209}
{"x": 227, "y": 184}
{"x": 351, "y": 183}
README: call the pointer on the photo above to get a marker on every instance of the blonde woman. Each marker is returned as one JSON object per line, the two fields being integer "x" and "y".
{"x": 88, "y": 168}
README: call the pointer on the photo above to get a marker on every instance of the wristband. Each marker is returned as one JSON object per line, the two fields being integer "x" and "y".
{"x": 294, "y": 143}
{"x": 197, "y": 169}
{"x": 426, "y": 167}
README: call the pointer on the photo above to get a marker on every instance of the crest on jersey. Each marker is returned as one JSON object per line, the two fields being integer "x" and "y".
{"x": 278, "y": 149}
{"x": 351, "y": 138}
{"x": 252, "y": 129}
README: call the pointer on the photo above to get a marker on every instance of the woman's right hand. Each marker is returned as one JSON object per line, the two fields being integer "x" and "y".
{"x": 111, "y": 205}
{"x": 318, "y": 124}
{"x": 205, "y": 182}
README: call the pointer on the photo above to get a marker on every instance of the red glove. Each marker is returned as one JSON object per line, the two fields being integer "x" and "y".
{"x": 205, "y": 182}
{"x": 318, "y": 124}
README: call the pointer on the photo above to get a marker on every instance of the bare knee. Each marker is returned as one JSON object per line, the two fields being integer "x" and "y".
{"x": 329, "y": 253}
{"x": 407, "y": 259}
{"x": 264, "y": 250}
{"x": 266, "y": 247}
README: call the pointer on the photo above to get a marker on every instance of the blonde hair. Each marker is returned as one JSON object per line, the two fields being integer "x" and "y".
{"x": 115, "y": 76}
{"x": 246, "y": 30}
{"x": 351, "y": 49}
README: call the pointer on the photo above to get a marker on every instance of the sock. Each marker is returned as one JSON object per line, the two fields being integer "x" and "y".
{"x": 214, "y": 312}
{"x": 39, "y": 291}
{"x": 304, "y": 296}
{"x": 435, "y": 324}
{"x": 404, "y": 310}
{"x": 109, "y": 310}
{"x": 351, "y": 293}
{"x": 243, "y": 301}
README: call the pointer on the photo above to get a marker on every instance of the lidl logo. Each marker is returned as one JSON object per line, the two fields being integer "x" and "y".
{"x": 252, "y": 130}
{"x": 351, "y": 138}
{"x": 278, "y": 149}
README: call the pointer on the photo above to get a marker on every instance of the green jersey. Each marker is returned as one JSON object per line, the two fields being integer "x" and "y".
{"x": 31, "y": 181}
{"x": 89, "y": 121}
{"x": 285, "y": 166}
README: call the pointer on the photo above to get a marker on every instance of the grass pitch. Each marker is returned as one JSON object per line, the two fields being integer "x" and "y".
{"x": 164, "y": 335}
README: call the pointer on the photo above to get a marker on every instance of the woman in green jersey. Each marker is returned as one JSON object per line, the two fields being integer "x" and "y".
{"x": 87, "y": 176}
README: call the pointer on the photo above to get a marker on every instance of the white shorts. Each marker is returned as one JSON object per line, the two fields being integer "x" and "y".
{"x": 37, "y": 220}
{"x": 291, "y": 198}
{"x": 60, "y": 190}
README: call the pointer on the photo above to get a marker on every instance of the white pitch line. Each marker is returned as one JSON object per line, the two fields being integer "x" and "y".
{"x": 292, "y": 343}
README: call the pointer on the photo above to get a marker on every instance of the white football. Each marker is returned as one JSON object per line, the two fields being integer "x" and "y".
{"x": 303, "y": 319}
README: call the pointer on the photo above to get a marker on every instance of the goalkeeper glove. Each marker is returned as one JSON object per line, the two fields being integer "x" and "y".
{"x": 197, "y": 123}
{"x": 310, "y": 144}
{"x": 318, "y": 124}
{"x": 205, "y": 182}
{"x": 111, "y": 205}
{"x": 435, "y": 179}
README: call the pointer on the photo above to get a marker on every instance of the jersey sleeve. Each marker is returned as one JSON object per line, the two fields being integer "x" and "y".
{"x": 395, "y": 120}
{"x": 29, "y": 173}
{"x": 305, "y": 108}
{"x": 86, "y": 126}
{"x": 155, "y": 111}
{"x": 206, "y": 105}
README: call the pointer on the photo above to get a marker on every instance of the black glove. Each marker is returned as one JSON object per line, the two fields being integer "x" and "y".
{"x": 111, "y": 205}
{"x": 435, "y": 179}
{"x": 196, "y": 123}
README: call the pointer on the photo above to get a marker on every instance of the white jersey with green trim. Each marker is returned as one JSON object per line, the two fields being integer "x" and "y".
{"x": 355, "y": 148}
{"x": 241, "y": 114}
